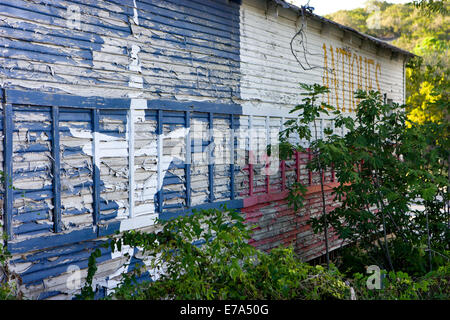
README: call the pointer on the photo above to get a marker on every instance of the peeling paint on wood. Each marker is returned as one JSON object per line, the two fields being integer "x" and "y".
{"x": 120, "y": 112}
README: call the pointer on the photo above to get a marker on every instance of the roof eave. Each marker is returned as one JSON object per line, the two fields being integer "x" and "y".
{"x": 379, "y": 42}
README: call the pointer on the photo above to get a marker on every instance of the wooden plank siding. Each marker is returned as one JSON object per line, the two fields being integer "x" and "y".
{"x": 118, "y": 112}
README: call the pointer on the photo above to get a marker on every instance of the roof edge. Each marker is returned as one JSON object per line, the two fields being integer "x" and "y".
{"x": 381, "y": 43}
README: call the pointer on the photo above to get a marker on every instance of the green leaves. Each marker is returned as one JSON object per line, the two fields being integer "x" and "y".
{"x": 9, "y": 281}
{"x": 401, "y": 286}
{"x": 384, "y": 164}
{"x": 87, "y": 292}
{"x": 194, "y": 250}
{"x": 429, "y": 193}
{"x": 206, "y": 256}
{"x": 309, "y": 110}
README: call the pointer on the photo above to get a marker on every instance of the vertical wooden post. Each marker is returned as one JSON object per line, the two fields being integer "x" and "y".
{"x": 96, "y": 164}
{"x": 210, "y": 158}
{"x": 7, "y": 162}
{"x": 250, "y": 155}
{"x": 56, "y": 170}
{"x": 131, "y": 169}
{"x": 297, "y": 165}
{"x": 159, "y": 151}
{"x": 187, "y": 166}
{"x": 267, "y": 157}
{"x": 283, "y": 163}
{"x": 309, "y": 171}
{"x": 232, "y": 196}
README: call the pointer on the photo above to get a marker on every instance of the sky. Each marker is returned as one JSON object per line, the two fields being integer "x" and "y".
{"x": 322, "y": 7}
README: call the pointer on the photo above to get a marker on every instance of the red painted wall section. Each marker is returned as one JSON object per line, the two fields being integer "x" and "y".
{"x": 275, "y": 223}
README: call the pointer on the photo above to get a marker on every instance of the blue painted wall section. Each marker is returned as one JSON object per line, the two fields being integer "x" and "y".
{"x": 68, "y": 94}
{"x": 193, "y": 51}
{"x": 38, "y": 220}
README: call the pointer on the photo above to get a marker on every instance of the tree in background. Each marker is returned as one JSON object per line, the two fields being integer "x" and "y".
{"x": 432, "y": 6}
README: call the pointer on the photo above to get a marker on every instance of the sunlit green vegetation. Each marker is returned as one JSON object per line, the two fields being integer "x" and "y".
{"x": 422, "y": 29}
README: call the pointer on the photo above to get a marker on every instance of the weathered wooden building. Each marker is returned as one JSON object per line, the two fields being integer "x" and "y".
{"x": 116, "y": 112}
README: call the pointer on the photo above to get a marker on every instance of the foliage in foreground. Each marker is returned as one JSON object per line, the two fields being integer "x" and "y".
{"x": 205, "y": 256}
{"x": 400, "y": 286}
{"x": 8, "y": 282}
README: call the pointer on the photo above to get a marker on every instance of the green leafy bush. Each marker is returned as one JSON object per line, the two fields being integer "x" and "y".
{"x": 206, "y": 256}
{"x": 9, "y": 283}
{"x": 392, "y": 175}
{"x": 409, "y": 259}
{"x": 400, "y": 286}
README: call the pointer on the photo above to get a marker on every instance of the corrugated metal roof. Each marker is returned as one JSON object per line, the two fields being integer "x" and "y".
{"x": 308, "y": 13}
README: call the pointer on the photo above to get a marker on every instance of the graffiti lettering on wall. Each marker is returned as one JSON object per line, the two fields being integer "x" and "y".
{"x": 345, "y": 72}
